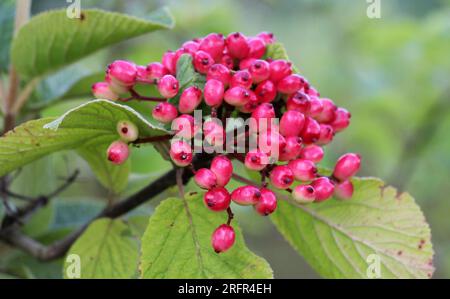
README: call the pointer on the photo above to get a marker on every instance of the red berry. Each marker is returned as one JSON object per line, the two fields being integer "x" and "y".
{"x": 101, "y": 90}
{"x": 205, "y": 178}
{"x": 242, "y": 78}
{"x": 227, "y": 61}
{"x": 347, "y": 166}
{"x": 315, "y": 108}
{"x": 191, "y": 47}
{"x": 169, "y": 62}
{"x": 180, "y": 153}
{"x": 326, "y": 134}
{"x": 237, "y": 45}
{"x": 281, "y": 177}
{"x": 184, "y": 126}
{"x": 122, "y": 72}
{"x": 267, "y": 37}
{"x": 303, "y": 170}
{"x": 213, "y": 132}
{"x": 164, "y": 112}
{"x": 328, "y": 112}
{"x": 259, "y": 69}
{"x": 324, "y": 188}
{"x": 246, "y": 63}
{"x": 291, "y": 84}
{"x": 142, "y": 75}
{"x": 213, "y": 44}
{"x": 271, "y": 143}
{"x": 312, "y": 152}
{"x": 263, "y": 115}
{"x": 223, "y": 238}
{"x": 118, "y": 152}
{"x": 344, "y": 190}
{"x": 279, "y": 69}
{"x": 292, "y": 149}
{"x": 341, "y": 120}
{"x": 213, "y": 92}
{"x": 190, "y": 98}
{"x": 256, "y": 160}
{"x": 266, "y": 91}
{"x": 202, "y": 61}
{"x": 237, "y": 96}
{"x": 127, "y": 130}
{"x": 304, "y": 194}
{"x": 257, "y": 47}
{"x": 267, "y": 202}
{"x": 219, "y": 72}
{"x": 246, "y": 195}
{"x": 291, "y": 123}
{"x": 311, "y": 131}
{"x": 155, "y": 71}
{"x": 223, "y": 169}
{"x": 217, "y": 199}
{"x": 251, "y": 105}
{"x": 168, "y": 86}
{"x": 299, "y": 101}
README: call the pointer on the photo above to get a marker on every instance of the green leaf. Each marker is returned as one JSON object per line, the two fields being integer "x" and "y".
{"x": 7, "y": 13}
{"x": 107, "y": 249}
{"x": 51, "y": 40}
{"x": 277, "y": 51}
{"x": 337, "y": 237}
{"x": 176, "y": 245}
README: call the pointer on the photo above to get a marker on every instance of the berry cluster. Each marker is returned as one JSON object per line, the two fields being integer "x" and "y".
{"x": 240, "y": 81}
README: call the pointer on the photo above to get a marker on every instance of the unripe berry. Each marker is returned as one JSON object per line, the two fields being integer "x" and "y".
{"x": 246, "y": 195}
{"x": 312, "y": 152}
{"x": 184, "y": 126}
{"x": 191, "y": 47}
{"x": 328, "y": 112}
{"x": 180, "y": 153}
{"x": 190, "y": 98}
{"x": 101, "y": 90}
{"x": 279, "y": 69}
{"x": 205, "y": 178}
{"x": 242, "y": 78}
{"x": 292, "y": 148}
{"x": 237, "y": 96}
{"x": 202, "y": 61}
{"x": 291, "y": 84}
{"x": 299, "y": 101}
{"x": 223, "y": 169}
{"x": 227, "y": 61}
{"x": 237, "y": 45}
{"x": 118, "y": 152}
{"x": 219, "y": 72}
{"x": 267, "y": 202}
{"x": 213, "y": 44}
{"x": 257, "y": 47}
{"x": 343, "y": 190}
{"x": 256, "y": 160}
{"x": 169, "y": 61}
{"x": 155, "y": 71}
{"x": 341, "y": 120}
{"x": 164, "y": 112}
{"x": 281, "y": 177}
{"x": 315, "y": 108}
{"x": 326, "y": 134}
{"x": 259, "y": 69}
{"x": 311, "y": 131}
{"x": 266, "y": 91}
{"x": 217, "y": 199}
{"x": 323, "y": 187}
{"x": 213, "y": 132}
{"x": 303, "y": 170}
{"x": 115, "y": 86}
{"x": 347, "y": 166}
{"x": 127, "y": 130}
{"x": 267, "y": 37}
{"x": 291, "y": 123}
{"x": 213, "y": 93}
{"x": 168, "y": 86}
{"x": 304, "y": 194}
{"x": 122, "y": 72}
{"x": 223, "y": 238}
{"x": 245, "y": 64}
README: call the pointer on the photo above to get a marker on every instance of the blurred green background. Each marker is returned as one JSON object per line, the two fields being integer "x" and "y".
{"x": 392, "y": 73}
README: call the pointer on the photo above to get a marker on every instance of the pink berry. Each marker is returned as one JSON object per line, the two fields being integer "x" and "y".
{"x": 101, "y": 90}
{"x": 169, "y": 62}
{"x": 155, "y": 71}
{"x": 122, "y": 72}
{"x": 242, "y": 78}
{"x": 217, "y": 199}
{"x": 271, "y": 143}
{"x": 118, "y": 152}
{"x": 311, "y": 91}
{"x": 259, "y": 69}
{"x": 246, "y": 195}
{"x": 311, "y": 131}
{"x": 324, "y": 188}
{"x": 227, "y": 61}
{"x": 223, "y": 169}
{"x": 267, "y": 202}
{"x": 315, "y": 108}
{"x": 184, "y": 126}
{"x": 279, "y": 69}
{"x": 328, "y": 112}
{"x": 190, "y": 98}
{"x": 213, "y": 132}
{"x": 256, "y": 160}
{"x": 142, "y": 75}
{"x": 202, "y": 61}
{"x": 223, "y": 238}
{"x": 341, "y": 120}
{"x": 347, "y": 166}
{"x": 281, "y": 177}
{"x": 219, "y": 72}
{"x": 291, "y": 84}
{"x": 299, "y": 101}
{"x": 213, "y": 93}
{"x": 266, "y": 91}
{"x": 303, "y": 170}
{"x": 180, "y": 153}
{"x": 164, "y": 112}
{"x": 168, "y": 86}
{"x": 237, "y": 96}
{"x": 326, "y": 134}
{"x": 127, "y": 130}
{"x": 205, "y": 178}
{"x": 237, "y": 45}
{"x": 245, "y": 64}
{"x": 304, "y": 194}
{"x": 292, "y": 149}
{"x": 257, "y": 47}
{"x": 191, "y": 47}
{"x": 312, "y": 152}
{"x": 267, "y": 37}
{"x": 263, "y": 115}
{"x": 291, "y": 123}
{"x": 213, "y": 44}
{"x": 344, "y": 190}
{"x": 251, "y": 105}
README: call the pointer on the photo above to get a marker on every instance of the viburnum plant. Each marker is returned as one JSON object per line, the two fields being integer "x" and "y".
{"x": 232, "y": 113}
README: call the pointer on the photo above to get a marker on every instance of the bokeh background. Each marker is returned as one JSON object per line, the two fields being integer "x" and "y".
{"x": 392, "y": 73}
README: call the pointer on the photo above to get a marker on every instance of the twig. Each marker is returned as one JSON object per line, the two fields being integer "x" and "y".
{"x": 230, "y": 215}
{"x": 244, "y": 180}
{"x": 136, "y": 96}
{"x": 152, "y": 139}
{"x": 24, "y": 95}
